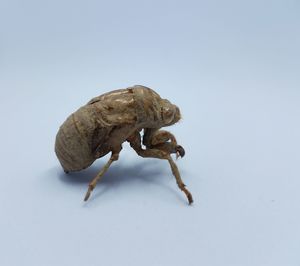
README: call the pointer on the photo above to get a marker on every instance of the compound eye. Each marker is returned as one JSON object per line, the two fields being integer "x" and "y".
{"x": 167, "y": 114}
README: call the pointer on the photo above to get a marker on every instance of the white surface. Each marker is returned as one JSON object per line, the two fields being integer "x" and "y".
{"x": 232, "y": 68}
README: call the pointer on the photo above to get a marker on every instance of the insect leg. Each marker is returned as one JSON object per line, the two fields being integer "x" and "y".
{"x": 169, "y": 148}
{"x": 162, "y": 136}
{"x": 180, "y": 184}
{"x": 93, "y": 183}
{"x": 162, "y": 140}
{"x": 135, "y": 143}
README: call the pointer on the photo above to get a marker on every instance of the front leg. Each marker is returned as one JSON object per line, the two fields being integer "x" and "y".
{"x": 162, "y": 140}
{"x": 135, "y": 143}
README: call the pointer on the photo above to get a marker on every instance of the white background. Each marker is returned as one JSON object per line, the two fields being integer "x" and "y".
{"x": 233, "y": 69}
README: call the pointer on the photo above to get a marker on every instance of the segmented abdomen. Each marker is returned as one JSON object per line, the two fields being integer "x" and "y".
{"x": 74, "y": 145}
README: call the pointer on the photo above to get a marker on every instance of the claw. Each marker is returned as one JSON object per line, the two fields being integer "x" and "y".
{"x": 190, "y": 198}
{"x": 179, "y": 151}
{"x": 88, "y": 193}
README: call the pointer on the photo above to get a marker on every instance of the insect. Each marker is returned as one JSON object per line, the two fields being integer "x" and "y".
{"x": 106, "y": 121}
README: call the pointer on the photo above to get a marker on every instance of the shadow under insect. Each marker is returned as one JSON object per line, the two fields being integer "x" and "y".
{"x": 117, "y": 173}
{"x": 152, "y": 172}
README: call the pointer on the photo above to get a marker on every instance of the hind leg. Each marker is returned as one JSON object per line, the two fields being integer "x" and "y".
{"x": 93, "y": 183}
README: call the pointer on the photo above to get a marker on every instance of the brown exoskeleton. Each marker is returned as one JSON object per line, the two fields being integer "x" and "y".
{"x": 105, "y": 122}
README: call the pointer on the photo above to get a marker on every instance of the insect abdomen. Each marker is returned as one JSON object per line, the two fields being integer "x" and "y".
{"x": 73, "y": 145}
